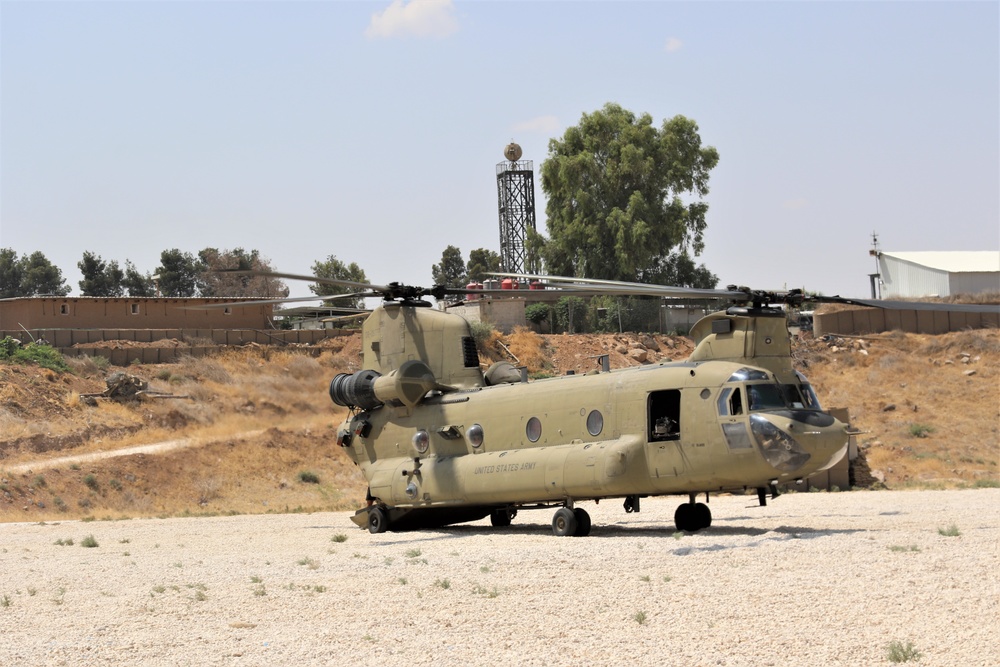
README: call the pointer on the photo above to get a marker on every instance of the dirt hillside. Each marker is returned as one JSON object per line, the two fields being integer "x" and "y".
{"x": 253, "y": 428}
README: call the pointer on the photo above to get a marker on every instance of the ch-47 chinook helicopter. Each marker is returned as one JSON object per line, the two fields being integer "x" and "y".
{"x": 441, "y": 442}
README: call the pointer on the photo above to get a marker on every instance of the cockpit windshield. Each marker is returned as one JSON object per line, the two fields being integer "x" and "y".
{"x": 766, "y": 397}
{"x": 771, "y": 396}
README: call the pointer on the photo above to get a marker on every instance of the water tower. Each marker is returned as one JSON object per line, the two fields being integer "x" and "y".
{"x": 516, "y": 202}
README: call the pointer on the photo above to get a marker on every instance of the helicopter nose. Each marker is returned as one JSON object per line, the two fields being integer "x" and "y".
{"x": 793, "y": 440}
{"x": 782, "y": 451}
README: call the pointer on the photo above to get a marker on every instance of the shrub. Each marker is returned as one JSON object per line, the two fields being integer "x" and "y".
{"x": 537, "y": 313}
{"x": 308, "y": 477}
{"x": 91, "y": 482}
{"x": 920, "y": 430}
{"x": 950, "y": 531}
{"x": 89, "y": 542}
{"x": 900, "y": 652}
{"x": 481, "y": 332}
{"x": 38, "y": 354}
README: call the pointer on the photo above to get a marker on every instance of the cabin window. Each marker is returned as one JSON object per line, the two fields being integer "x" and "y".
{"x": 64, "y": 309}
{"x": 134, "y": 308}
{"x": 533, "y": 429}
{"x": 421, "y": 441}
{"x": 475, "y": 434}
{"x": 595, "y": 422}
{"x": 664, "y": 415}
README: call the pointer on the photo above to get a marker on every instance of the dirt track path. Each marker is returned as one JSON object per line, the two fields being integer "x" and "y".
{"x": 154, "y": 448}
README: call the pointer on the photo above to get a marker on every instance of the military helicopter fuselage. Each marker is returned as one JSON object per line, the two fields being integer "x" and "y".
{"x": 440, "y": 442}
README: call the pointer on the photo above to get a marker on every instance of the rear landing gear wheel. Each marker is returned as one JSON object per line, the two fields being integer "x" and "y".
{"x": 564, "y": 522}
{"x": 501, "y": 518}
{"x": 378, "y": 521}
{"x": 582, "y": 522}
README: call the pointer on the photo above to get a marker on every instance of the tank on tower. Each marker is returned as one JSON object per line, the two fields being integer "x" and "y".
{"x": 516, "y": 203}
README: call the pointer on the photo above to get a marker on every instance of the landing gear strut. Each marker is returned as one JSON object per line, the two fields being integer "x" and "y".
{"x": 691, "y": 516}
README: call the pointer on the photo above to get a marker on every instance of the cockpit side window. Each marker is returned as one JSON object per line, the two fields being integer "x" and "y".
{"x": 723, "y": 402}
{"x": 736, "y": 402}
{"x": 792, "y": 396}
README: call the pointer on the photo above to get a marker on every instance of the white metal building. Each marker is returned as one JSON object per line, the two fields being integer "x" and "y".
{"x": 917, "y": 274}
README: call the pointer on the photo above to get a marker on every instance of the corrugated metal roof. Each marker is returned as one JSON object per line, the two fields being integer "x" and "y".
{"x": 979, "y": 261}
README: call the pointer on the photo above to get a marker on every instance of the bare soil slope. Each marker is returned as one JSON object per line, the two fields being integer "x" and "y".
{"x": 258, "y": 429}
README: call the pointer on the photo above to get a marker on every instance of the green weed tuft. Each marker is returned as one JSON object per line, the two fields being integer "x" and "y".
{"x": 950, "y": 531}
{"x": 897, "y": 651}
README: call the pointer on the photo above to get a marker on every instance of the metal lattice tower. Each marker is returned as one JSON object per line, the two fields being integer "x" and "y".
{"x": 516, "y": 203}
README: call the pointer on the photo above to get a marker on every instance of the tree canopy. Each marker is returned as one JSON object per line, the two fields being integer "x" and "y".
{"x": 100, "y": 278}
{"x": 335, "y": 269}
{"x": 214, "y": 282}
{"x": 481, "y": 263}
{"x": 624, "y": 196}
{"x": 29, "y": 275}
{"x": 177, "y": 274}
{"x": 451, "y": 271}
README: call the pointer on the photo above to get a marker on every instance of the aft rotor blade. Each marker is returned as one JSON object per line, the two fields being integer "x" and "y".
{"x": 625, "y": 288}
{"x": 910, "y": 305}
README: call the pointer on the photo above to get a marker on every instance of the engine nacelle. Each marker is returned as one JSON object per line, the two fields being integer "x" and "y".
{"x": 368, "y": 389}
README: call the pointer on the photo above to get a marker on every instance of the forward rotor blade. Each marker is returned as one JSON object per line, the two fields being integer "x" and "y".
{"x": 294, "y": 299}
{"x": 315, "y": 279}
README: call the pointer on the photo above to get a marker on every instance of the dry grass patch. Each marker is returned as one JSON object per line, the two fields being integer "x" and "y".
{"x": 927, "y": 423}
{"x": 529, "y": 348}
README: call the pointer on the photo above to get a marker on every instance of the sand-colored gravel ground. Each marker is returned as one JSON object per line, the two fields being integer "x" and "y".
{"x": 812, "y": 579}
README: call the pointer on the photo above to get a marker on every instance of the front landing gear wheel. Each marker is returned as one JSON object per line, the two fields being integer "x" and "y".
{"x": 378, "y": 521}
{"x": 582, "y": 522}
{"x": 702, "y": 516}
{"x": 683, "y": 518}
{"x": 692, "y": 517}
{"x": 564, "y": 522}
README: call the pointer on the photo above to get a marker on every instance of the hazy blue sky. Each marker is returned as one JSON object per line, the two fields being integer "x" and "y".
{"x": 371, "y": 130}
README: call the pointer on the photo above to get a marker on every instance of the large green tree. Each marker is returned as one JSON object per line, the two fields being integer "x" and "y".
{"x": 624, "y": 194}
{"x": 10, "y": 274}
{"x": 335, "y": 269}
{"x": 451, "y": 271}
{"x": 100, "y": 278}
{"x": 481, "y": 263}
{"x": 137, "y": 284}
{"x": 29, "y": 275}
{"x": 178, "y": 273}
{"x": 215, "y": 282}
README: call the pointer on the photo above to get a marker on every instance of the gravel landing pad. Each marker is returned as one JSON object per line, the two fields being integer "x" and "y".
{"x": 811, "y": 579}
